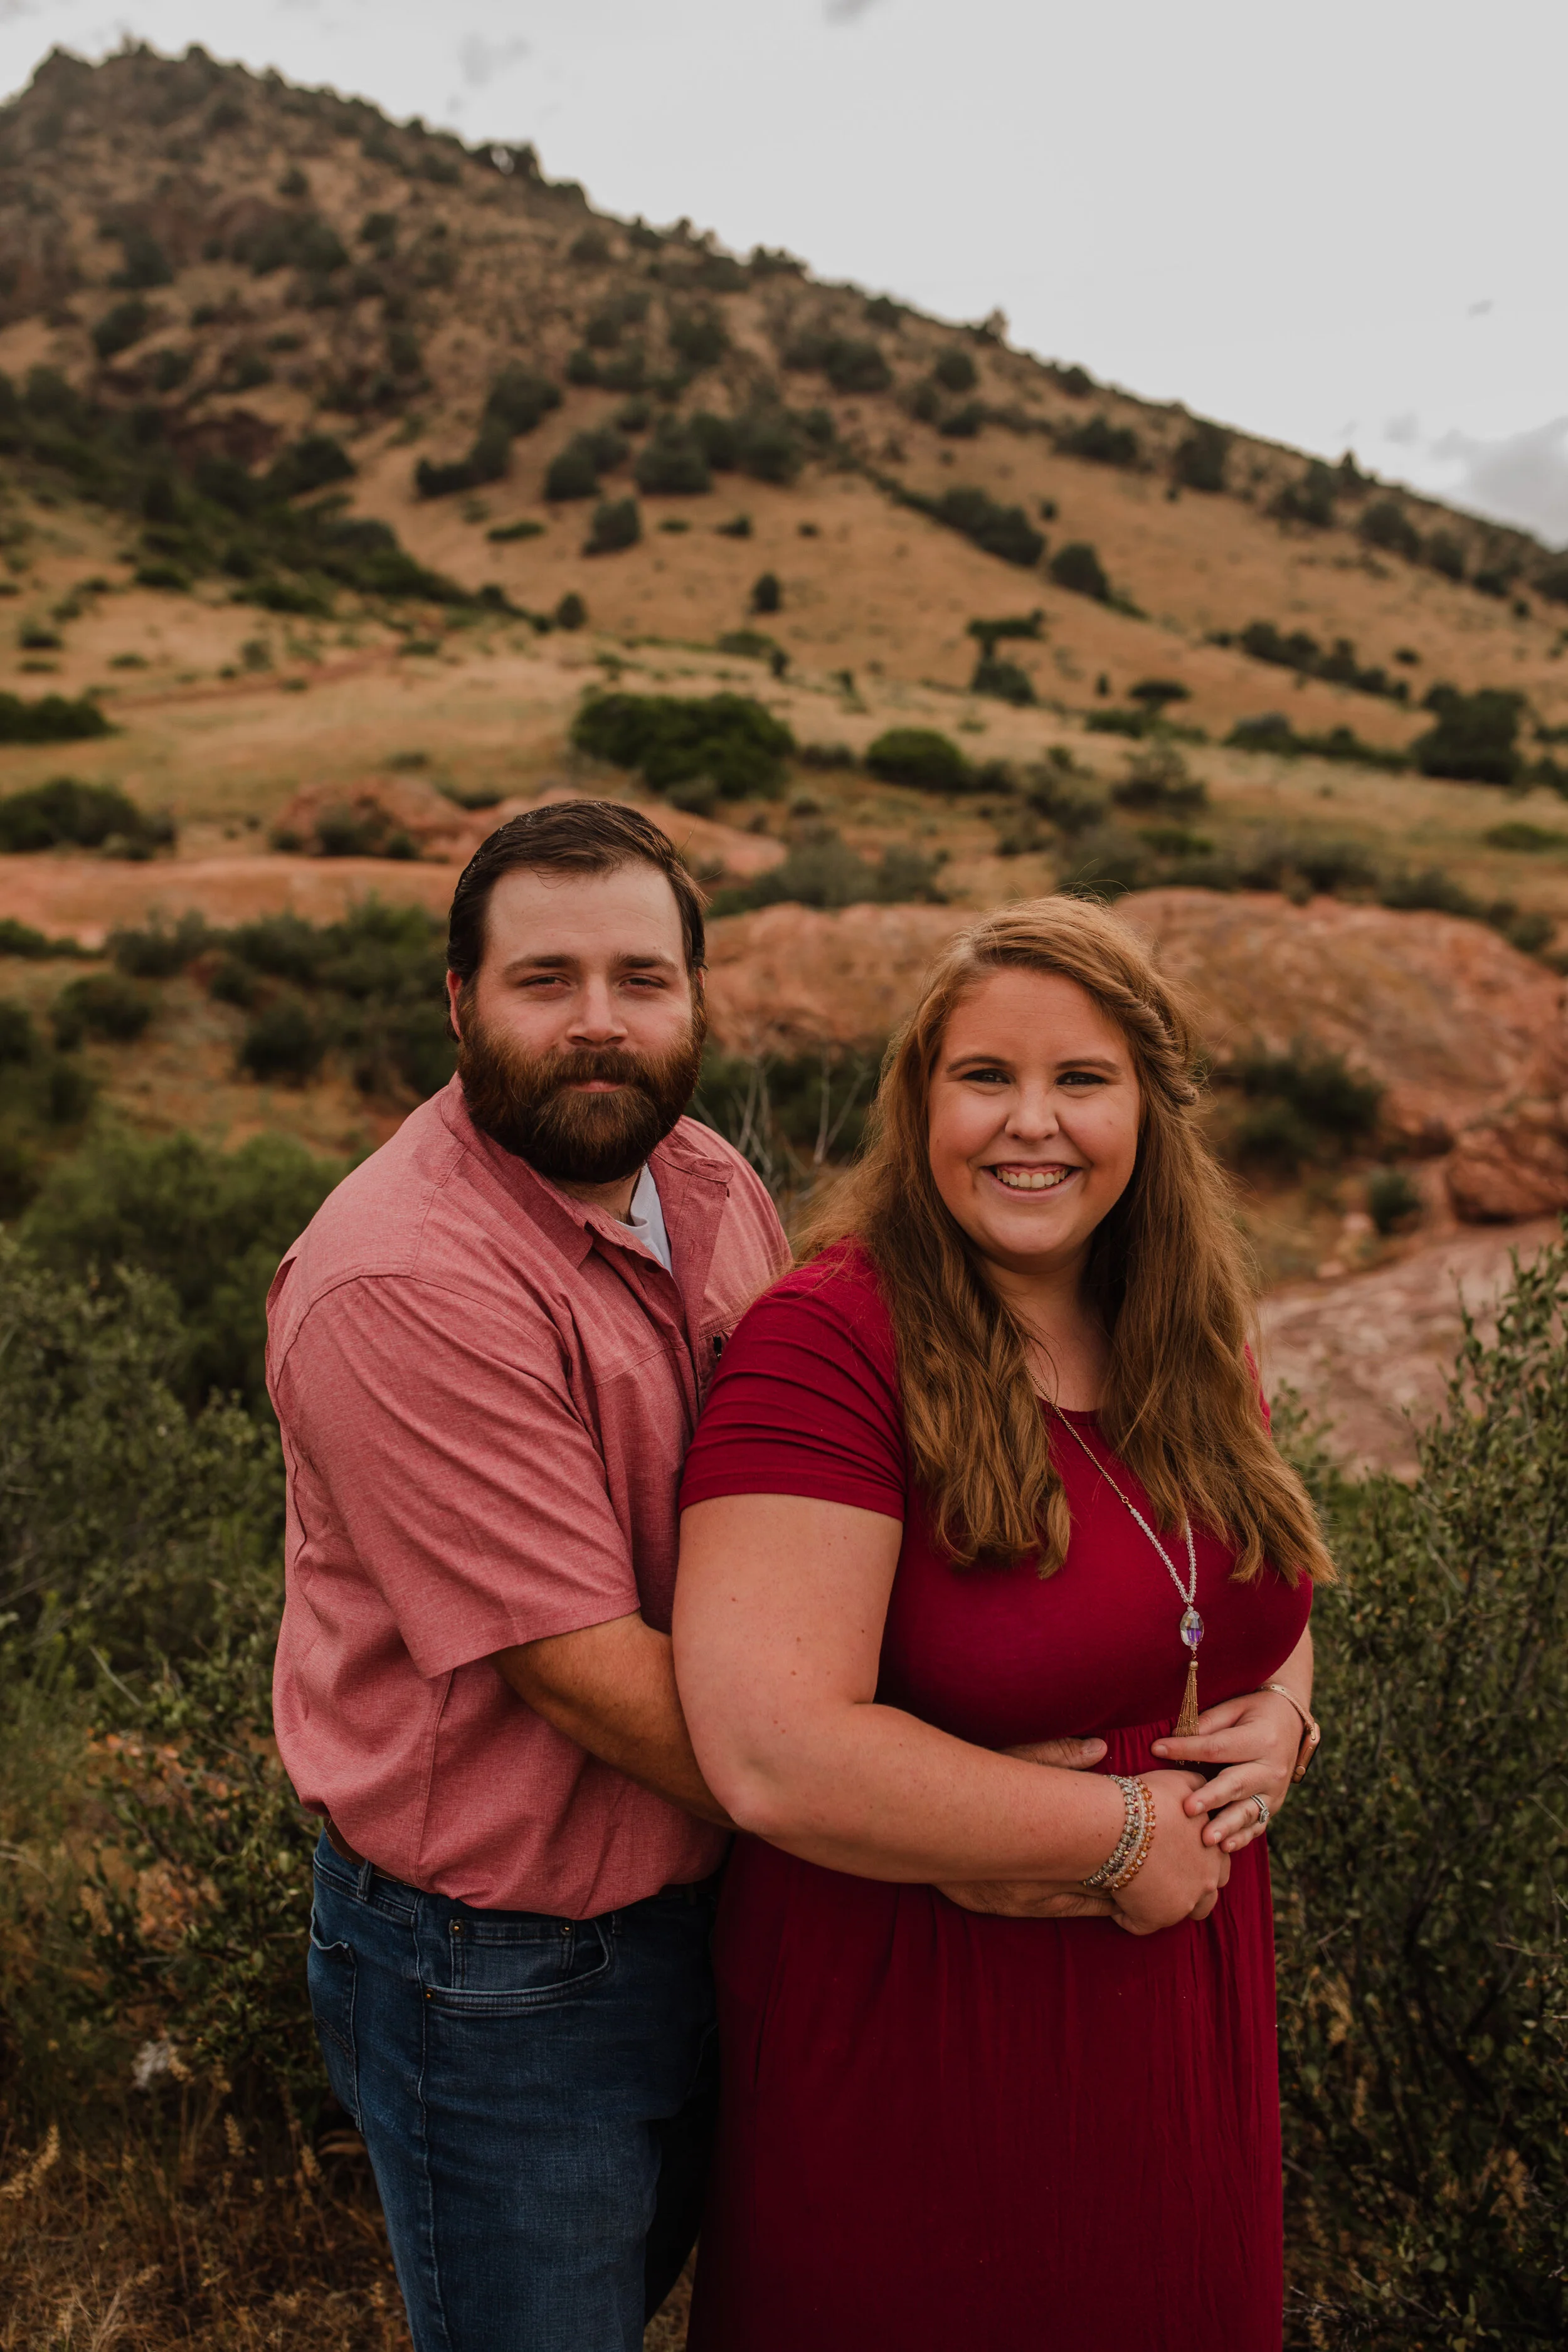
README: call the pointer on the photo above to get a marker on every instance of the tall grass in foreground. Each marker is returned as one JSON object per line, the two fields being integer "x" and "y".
{"x": 171, "y": 2171}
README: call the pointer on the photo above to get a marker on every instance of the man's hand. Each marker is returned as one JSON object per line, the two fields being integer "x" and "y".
{"x": 611, "y": 1689}
{"x": 1027, "y": 1898}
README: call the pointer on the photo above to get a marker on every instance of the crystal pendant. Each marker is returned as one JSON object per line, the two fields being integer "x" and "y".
{"x": 1192, "y": 1630}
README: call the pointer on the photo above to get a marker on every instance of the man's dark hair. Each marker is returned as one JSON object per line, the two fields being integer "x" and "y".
{"x": 568, "y": 837}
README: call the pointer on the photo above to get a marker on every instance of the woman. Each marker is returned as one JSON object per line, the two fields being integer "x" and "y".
{"x": 998, "y": 2040}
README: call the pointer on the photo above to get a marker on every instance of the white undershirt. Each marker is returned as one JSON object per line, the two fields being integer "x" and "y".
{"x": 645, "y": 1219}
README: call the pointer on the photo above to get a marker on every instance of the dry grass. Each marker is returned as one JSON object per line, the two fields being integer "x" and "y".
{"x": 205, "y": 2240}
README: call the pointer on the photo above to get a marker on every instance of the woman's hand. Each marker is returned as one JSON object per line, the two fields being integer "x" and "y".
{"x": 1031, "y": 1898}
{"x": 1255, "y": 1740}
{"x": 1183, "y": 1876}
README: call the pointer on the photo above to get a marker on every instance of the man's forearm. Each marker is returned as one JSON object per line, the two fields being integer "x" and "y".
{"x": 611, "y": 1689}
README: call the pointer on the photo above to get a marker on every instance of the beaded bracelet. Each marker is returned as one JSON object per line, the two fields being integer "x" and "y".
{"x": 1140, "y": 1855}
{"x": 1134, "y": 1797}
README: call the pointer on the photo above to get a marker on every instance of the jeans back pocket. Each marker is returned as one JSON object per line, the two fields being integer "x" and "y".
{"x": 331, "y": 1974}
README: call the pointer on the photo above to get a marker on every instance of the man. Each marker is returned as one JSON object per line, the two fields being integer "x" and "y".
{"x": 487, "y": 1352}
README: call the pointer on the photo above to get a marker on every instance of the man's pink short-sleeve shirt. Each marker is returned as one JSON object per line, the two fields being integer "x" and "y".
{"x": 485, "y": 1391}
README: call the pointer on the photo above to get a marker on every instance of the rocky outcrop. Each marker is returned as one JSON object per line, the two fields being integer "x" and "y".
{"x": 1514, "y": 1165}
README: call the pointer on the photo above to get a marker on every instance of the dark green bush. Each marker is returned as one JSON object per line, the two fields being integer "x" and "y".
{"x": 1201, "y": 459}
{"x": 851, "y": 366}
{"x": 575, "y": 472}
{"x": 955, "y": 370}
{"x": 161, "y": 950}
{"x": 1424, "y": 2059}
{"x": 21, "y": 940}
{"x": 1387, "y": 525}
{"x": 1394, "y": 1202}
{"x": 616, "y": 524}
{"x": 1053, "y": 789}
{"x": 284, "y": 1042}
{"x": 1309, "y": 498}
{"x": 1517, "y": 834}
{"x": 104, "y": 1007}
{"x": 1553, "y": 581}
{"x": 919, "y": 756}
{"x": 1476, "y": 738}
{"x": 672, "y": 464}
{"x": 1005, "y": 679}
{"x": 64, "y": 814}
{"x": 1157, "y": 784}
{"x": 989, "y": 635}
{"x": 1077, "y": 567}
{"x": 1272, "y": 731}
{"x": 571, "y": 612}
{"x": 1005, "y": 531}
{"x": 209, "y": 1225}
{"x": 728, "y": 738}
{"x": 118, "y": 329}
{"x": 1098, "y": 440}
{"x": 766, "y": 594}
{"x": 1445, "y": 554}
{"x": 51, "y": 719}
{"x": 699, "y": 337}
{"x": 1155, "y": 693}
{"x": 790, "y": 1116}
{"x": 311, "y": 463}
{"x": 822, "y": 870}
{"x": 1336, "y": 1105}
{"x": 145, "y": 264}
{"x": 518, "y": 399}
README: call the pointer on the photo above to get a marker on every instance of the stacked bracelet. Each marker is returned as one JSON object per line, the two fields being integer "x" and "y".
{"x": 1140, "y": 1853}
{"x": 1132, "y": 1796}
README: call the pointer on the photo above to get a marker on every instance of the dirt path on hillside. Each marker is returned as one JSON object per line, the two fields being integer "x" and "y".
{"x": 1372, "y": 1353}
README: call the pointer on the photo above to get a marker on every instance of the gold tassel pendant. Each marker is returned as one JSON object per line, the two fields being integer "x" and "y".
{"x": 1187, "y": 1721}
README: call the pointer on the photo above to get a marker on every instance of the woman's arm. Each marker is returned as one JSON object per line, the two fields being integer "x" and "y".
{"x": 779, "y": 1615}
{"x": 1257, "y": 1739}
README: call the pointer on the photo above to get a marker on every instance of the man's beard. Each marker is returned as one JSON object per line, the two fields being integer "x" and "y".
{"x": 532, "y": 1104}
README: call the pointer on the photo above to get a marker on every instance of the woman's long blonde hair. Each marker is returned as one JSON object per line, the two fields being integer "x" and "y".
{"x": 1165, "y": 1273}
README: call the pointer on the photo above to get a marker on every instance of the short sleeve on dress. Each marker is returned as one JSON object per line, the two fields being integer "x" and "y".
{"x": 805, "y": 1399}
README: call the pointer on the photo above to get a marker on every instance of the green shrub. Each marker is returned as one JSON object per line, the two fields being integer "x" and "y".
{"x": 1156, "y": 693}
{"x": 312, "y": 463}
{"x": 208, "y": 1225}
{"x": 145, "y": 262}
{"x": 118, "y": 329}
{"x": 64, "y": 814}
{"x": 1519, "y": 834}
{"x": 124, "y": 1518}
{"x": 1077, "y": 567}
{"x": 727, "y": 739}
{"x": 1445, "y": 554}
{"x": 1309, "y": 498}
{"x": 1052, "y": 789}
{"x": 284, "y": 1042}
{"x": 822, "y": 870}
{"x": 616, "y": 524}
{"x": 1201, "y": 459}
{"x": 790, "y": 1116}
{"x": 1336, "y": 1105}
{"x": 955, "y": 370}
{"x": 1272, "y": 731}
{"x": 1476, "y": 738}
{"x": 104, "y": 1007}
{"x": 161, "y": 950}
{"x": 1553, "y": 581}
{"x": 1393, "y": 1200}
{"x": 1005, "y": 531}
{"x": 919, "y": 756}
{"x": 1422, "y": 2054}
{"x": 766, "y": 594}
{"x": 518, "y": 399}
{"x": 1005, "y": 679}
{"x": 571, "y": 612}
{"x": 1387, "y": 525}
{"x": 51, "y": 719}
{"x": 1101, "y": 441}
{"x": 21, "y": 940}
{"x": 575, "y": 472}
{"x": 851, "y": 366}
{"x": 989, "y": 635}
{"x": 699, "y": 337}
{"x": 1157, "y": 782}
{"x": 672, "y": 464}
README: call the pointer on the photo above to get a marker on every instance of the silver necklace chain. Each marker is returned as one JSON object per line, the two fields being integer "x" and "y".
{"x": 1187, "y": 1592}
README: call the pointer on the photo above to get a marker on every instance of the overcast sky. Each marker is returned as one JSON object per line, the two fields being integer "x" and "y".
{"x": 1338, "y": 224}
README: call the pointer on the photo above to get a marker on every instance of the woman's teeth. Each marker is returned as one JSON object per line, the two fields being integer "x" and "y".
{"x": 1032, "y": 1179}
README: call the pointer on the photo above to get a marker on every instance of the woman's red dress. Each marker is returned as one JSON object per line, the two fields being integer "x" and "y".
{"x": 944, "y": 2130}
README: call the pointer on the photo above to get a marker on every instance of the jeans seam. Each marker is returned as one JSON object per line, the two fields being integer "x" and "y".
{"x": 437, "y": 2299}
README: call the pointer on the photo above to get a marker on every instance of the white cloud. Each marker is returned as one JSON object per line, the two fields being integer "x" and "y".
{"x": 481, "y": 60}
{"x": 1522, "y": 477}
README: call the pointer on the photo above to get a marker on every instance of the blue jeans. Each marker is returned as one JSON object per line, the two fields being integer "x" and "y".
{"x": 537, "y": 2097}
